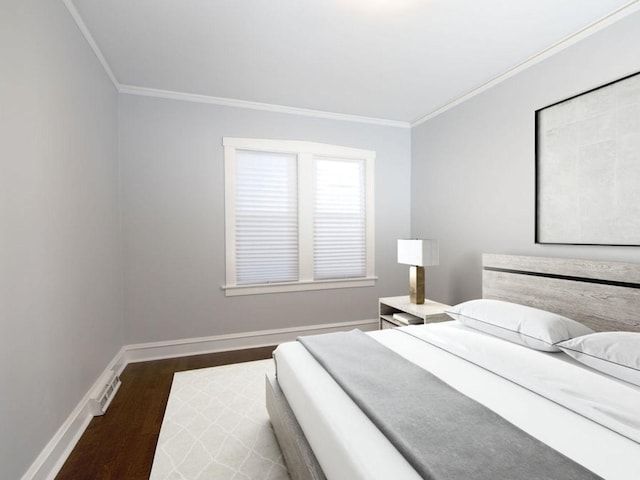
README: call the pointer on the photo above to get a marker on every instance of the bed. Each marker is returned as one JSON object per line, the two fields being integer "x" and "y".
{"x": 589, "y": 417}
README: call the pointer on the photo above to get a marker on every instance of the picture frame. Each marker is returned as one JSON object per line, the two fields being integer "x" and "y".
{"x": 587, "y": 154}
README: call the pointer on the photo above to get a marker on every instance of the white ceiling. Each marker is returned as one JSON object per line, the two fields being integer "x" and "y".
{"x": 398, "y": 60}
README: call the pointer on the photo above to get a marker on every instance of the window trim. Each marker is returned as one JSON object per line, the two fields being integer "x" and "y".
{"x": 304, "y": 151}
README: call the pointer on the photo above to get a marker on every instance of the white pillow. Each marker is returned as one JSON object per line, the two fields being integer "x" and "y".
{"x": 520, "y": 324}
{"x": 614, "y": 353}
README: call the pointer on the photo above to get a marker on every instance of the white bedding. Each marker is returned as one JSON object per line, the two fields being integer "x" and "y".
{"x": 349, "y": 446}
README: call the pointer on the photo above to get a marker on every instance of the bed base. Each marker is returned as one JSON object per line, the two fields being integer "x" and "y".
{"x": 300, "y": 459}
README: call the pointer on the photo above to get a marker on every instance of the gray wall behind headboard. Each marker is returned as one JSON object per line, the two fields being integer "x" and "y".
{"x": 473, "y": 167}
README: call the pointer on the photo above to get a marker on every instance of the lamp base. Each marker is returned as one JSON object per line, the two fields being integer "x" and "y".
{"x": 416, "y": 285}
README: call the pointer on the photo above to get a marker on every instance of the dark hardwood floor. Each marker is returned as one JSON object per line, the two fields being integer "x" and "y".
{"x": 121, "y": 444}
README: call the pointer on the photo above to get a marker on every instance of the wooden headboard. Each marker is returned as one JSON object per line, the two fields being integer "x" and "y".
{"x": 602, "y": 295}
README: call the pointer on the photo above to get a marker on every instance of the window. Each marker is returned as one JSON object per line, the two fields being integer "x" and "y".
{"x": 299, "y": 216}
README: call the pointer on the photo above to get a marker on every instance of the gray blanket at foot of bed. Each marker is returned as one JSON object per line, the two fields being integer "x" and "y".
{"x": 442, "y": 433}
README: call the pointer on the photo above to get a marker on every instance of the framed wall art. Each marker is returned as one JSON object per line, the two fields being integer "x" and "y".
{"x": 588, "y": 167}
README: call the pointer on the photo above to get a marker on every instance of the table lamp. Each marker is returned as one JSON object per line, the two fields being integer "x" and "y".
{"x": 418, "y": 254}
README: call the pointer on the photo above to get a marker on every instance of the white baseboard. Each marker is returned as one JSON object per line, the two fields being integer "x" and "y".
{"x": 56, "y": 452}
{"x": 143, "y": 352}
{"x": 47, "y": 465}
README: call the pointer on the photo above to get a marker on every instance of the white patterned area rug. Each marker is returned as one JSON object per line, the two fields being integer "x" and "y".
{"x": 216, "y": 427}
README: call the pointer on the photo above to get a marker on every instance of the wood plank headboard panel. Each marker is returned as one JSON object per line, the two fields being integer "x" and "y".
{"x": 602, "y": 295}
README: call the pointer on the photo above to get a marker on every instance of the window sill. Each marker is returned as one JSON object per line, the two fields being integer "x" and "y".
{"x": 237, "y": 290}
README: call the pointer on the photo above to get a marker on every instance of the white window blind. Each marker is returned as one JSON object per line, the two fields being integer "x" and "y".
{"x": 298, "y": 216}
{"x": 340, "y": 247}
{"x": 266, "y": 217}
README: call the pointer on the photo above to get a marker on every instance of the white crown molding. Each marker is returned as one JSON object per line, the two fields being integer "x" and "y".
{"x": 627, "y": 9}
{"x": 47, "y": 465}
{"x": 92, "y": 43}
{"x": 228, "y": 102}
{"x": 590, "y": 29}
{"x": 232, "y": 102}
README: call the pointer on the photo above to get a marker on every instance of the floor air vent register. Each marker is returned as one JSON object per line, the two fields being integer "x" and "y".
{"x": 103, "y": 395}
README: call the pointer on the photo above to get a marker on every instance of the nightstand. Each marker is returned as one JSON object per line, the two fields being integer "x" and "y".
{"x": 429, "y": 311}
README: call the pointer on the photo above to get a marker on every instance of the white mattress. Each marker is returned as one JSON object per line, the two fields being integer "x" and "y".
{"x": 349, "y": 446}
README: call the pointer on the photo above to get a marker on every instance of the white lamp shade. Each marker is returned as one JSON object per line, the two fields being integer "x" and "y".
{"x": 421, "y": 253}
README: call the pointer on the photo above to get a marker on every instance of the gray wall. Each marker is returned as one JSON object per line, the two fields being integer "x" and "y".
{"x": 173, "y": 228}
{"x": 473, "y": 167}
{"x": 60, "y": 302}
